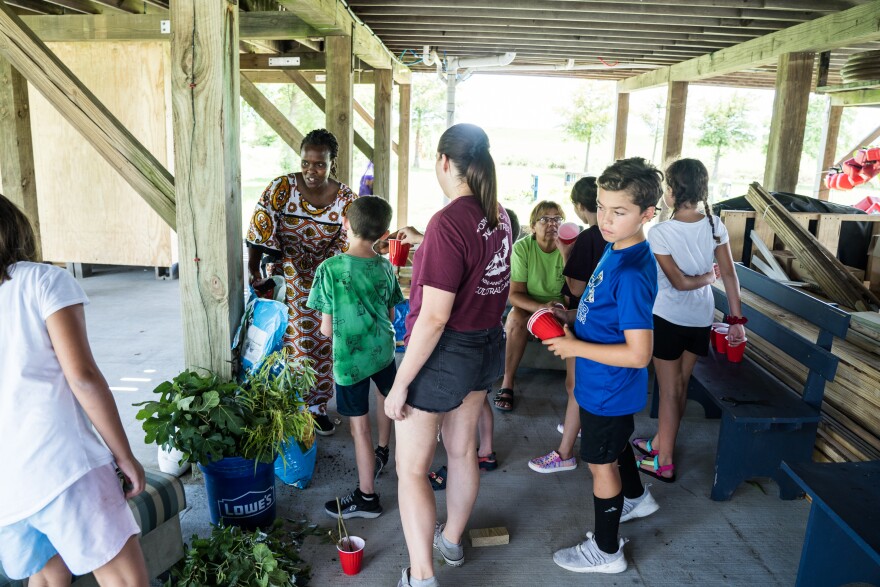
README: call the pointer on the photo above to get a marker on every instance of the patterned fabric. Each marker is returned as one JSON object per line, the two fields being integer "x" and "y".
{"x": 301, "y": 235}
{"x": 162, "y": 499}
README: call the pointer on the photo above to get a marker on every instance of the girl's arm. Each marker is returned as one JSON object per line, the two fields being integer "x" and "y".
{"x": 67, "y": 331}
{"x": 435, "y": 312}
{"x": 575, "y": 286}
{"x": 634, "y": 353}
{"x": 737, "y": 333}
{"x": 679, "y": 280}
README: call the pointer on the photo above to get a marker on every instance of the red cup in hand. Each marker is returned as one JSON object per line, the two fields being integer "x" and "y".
{"x": 544, "y": 325}
{"x": 568, "y": 233}
{"x": 735, "y": 352}
{"x": 398, "y": 252}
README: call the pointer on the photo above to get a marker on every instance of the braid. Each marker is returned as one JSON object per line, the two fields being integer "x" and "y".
{"x": 711, "y": 220}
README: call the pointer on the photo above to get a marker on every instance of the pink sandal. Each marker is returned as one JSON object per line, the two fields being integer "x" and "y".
{"x": 656, "y": 469}
{"x": 648, "y": 450}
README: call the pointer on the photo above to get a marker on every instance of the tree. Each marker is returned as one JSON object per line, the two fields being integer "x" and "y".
{"x": 726, "y": 126}
{"x": 654, "y": 119}
{"x": 428, "y": 108}
{"x": 588, "y": 117}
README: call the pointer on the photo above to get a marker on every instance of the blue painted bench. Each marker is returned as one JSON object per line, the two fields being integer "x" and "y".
{"x": 763, "y": 420}
{"x": 842, "y": 542}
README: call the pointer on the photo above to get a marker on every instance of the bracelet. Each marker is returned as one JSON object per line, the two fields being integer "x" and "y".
{"x": 733, "y": 320}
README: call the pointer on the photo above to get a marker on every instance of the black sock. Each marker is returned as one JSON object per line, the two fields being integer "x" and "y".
{"x": 608, "y": 522}
{"x": 629, "y": 474}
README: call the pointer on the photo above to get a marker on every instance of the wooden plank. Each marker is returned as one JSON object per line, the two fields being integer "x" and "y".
{"x": 489, "y": 536}
{"x": 857, "y": 25}
{"x": 828, "y": 148}
{"x": 794, "y": 76}
{"x": 620, "y": 125}
{"x": 276, "y": 120}
{"x": 735, "y": 222}
{"x": 776, "y": 270}
{"x": 384, "y": 100}
{"x": 869, "y": 97}
{"x": 339, "y": 99}
{"x": 804, "y": 218}
{"x": 828, "y": 233}
{"x": 16, "y": 146}
{"x": 403, "y": 154}
{"x": 765, "y": 231}
{"x": 260, "y": 61}
{"x": 205, "y": 97}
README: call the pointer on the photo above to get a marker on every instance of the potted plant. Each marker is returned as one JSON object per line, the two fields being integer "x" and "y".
{"x": 234, "y": 431}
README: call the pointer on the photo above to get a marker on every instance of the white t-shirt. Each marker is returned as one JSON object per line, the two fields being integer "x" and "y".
{"x": 692, "y": 247}
{"x": 46, "y": 440}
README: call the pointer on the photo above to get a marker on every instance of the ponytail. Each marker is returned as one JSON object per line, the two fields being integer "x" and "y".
{"x": 467, "y": 146}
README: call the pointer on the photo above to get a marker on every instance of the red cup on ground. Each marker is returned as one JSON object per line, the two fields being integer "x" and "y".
{"x": 735, "y": 352}
{"x": 398, "y": 252}
{"x": 569, "y": 232}
{"x": 544, "y": 325}
{"x": 719, "y": 337}
{"x": 351, "y": 554}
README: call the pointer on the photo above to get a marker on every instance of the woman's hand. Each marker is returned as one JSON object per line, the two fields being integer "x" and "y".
{"x": 133, "y": 471}
{"x": 736, "y": 334}
{"x": 409, "y": 235}
{"x": 564, "y": 249}
{"x": 562, "y": 346}
{"x": 395, "y": 403}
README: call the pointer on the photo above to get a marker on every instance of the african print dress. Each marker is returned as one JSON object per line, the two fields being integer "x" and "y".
{"x": 285, "y": 225}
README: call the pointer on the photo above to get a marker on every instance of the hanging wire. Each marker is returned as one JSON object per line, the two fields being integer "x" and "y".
{"x": 419, "y": 59}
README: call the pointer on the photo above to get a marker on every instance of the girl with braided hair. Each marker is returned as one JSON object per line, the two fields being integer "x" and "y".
{"x": 684, "y": 247}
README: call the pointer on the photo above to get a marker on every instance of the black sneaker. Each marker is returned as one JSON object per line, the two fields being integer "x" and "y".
{"x": 324, "y": 425}
{"x": 381, "y": 458}
{"x": 355, "y": 506}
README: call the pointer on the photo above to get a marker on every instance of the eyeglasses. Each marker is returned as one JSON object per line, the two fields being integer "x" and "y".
{"x": 549, "y": 219}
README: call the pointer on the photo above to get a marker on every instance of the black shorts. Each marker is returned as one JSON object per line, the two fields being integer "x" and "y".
{"x": 354, "y": 400}
{"x": 671, "y": 340}
{"x": 603, "y": 438}
{"x": 461, "y": 362}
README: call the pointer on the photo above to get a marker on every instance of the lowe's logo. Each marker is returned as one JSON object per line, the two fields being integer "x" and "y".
{"x": 250, "y": 504}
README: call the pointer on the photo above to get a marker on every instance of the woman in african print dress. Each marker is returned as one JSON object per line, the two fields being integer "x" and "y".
{"x": 298, "y": 221}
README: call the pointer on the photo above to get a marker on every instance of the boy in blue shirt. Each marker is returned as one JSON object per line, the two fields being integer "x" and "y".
{"x": 356, "y": 293}
{"x": 612, "y": 343}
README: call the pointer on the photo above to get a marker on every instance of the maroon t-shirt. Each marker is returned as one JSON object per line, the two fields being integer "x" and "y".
{"x": 460, "y": 254}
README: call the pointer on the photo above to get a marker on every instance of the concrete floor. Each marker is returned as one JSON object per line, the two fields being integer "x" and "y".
{"x": 754, "y": 539}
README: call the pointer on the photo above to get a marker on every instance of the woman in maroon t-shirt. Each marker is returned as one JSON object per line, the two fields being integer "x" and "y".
{"x": 455, "y": 347}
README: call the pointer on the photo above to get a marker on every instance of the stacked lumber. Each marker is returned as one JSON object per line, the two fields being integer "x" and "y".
{"x": 832, "y": 275}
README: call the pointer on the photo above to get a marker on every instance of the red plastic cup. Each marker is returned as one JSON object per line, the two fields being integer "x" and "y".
{"x": 719, "y": 337}
{"x": 544, "y": 325}
{"x": 398, "y": 252}
{"x": 351, "y": 554}
{"x": 569, "y": 232}
{"x": 735, "y": 352}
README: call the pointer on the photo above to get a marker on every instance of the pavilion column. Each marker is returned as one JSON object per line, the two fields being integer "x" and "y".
{"x": 828, "y": 149}
{"x": 403, "y": 154}
{"x": 384, "y": 87}
{"x": 205, "y": 105}
{"x": 794, "y": 76}
{"x": 339, "y": 102}
{"x": 16, "y": 146}
{"x": 621, "y": 125}
{"x": 673, "y": 135}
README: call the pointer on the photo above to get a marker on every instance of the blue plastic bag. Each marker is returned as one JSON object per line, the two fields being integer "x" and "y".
{"x": 401, "y": 310}
{"x": 260, "y": 332}
{"x": 300, "y": 465}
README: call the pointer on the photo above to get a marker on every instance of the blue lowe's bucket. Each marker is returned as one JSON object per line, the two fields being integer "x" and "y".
{"x": 239, "y": 495}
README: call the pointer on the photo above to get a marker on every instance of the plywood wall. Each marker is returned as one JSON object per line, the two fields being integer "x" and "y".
{"x": 88, "y": 213}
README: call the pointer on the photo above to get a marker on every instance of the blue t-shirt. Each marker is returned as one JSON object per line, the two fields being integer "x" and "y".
{"x": 619, "y": 296}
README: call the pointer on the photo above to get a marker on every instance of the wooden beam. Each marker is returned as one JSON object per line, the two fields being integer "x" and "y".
{"x": 273, "y": 117}
{"x": 76, "y": 5}
{"x": 856, "y": 25}
{"x": 35, "y": 6}
{"x": 676, "y": 111}
{"x": 867, "y": 97}
{"x": 794, "y": 76}
{"x": 620, "y": 126}
{"x": 403, "y": 155}
{"x": 16, "y": 146}
{"x": 828, "y": 148}
{"x": 339, "y": 98}
{"x": 384, "y": 99}
{"x": 368, "y": 118}
{"x": 205, "y": 98}
{"x": 257, "y": 61}
{"x": 81, "y": 108}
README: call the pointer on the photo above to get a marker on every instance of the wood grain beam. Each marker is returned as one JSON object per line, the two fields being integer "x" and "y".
{"x": 828, "y": 148}
{"x": 403, "y": 155}
{"x": 794, "y": 76}
{"x": 276, "y": 120}
{"x": 676, "y": 111}
{"x": 856, "y": 25}
{"x": 338, "y": 102}
{"x": 620, "y": 125}
{"x": 799, "y": 5}
{"x": 257, "y": 61}
{"x": 857, "y": 98}
{"x": 36, "y": 6}
{"x": 84, "y": 111}
{"x": 543, "y": 39}
{"x": 384, "y": 101}
{"x": 80, "y": 6}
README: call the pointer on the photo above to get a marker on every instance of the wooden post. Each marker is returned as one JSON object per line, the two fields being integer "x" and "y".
{"x": 382, "y": 129}
{"x": 620, "y": 125}
{"x": 828, "y": 149}
{"x": 403, "y": 154}
{"x": 16, "y": 147}
{"x": 676, "y": 109}
{"x": 273, "y": 117}
{"x": 205, "y": 93}
{"x": 794, "y": 76}
{"x": 339, "y": 101}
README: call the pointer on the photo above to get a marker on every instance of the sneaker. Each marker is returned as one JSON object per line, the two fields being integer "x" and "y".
{"x": 560, "y": 427}
{"x": 453, "y": 555}
{"x": 552, "y": 463}
{"x": 405, "y": 580}
{"x": 324, "y": 425}
{"x": 381, "y": 458}
{"x": 355, "y": 506}
{"x": 640, "y": 507}
{"x": 587, "y": 557}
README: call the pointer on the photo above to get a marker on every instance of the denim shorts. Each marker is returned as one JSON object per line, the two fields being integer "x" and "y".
{"x": 354, "y": 400}
{"x": 461, "y": 362}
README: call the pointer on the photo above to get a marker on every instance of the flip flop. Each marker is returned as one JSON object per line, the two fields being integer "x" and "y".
{"x": 656, "y": 469}
{"x": 488, "y": 463}
{"x": 504, "y": 400}
{"x": 438, "y": 479}
{"x": 648, "y": 450}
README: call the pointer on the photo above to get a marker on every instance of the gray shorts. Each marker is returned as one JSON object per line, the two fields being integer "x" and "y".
{"x": 462, "y": 362}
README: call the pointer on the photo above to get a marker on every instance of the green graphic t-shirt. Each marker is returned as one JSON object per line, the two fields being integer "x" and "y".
{"x": 359, "y": 293}
{"x": 541, "y": 272}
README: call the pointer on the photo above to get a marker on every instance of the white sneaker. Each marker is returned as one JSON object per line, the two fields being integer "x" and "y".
{"x": 561, "y": 427}
{"x": 640, "y": 507}
{"x": 587, "y": 557}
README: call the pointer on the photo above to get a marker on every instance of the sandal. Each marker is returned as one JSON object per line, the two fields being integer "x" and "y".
{"x": 656, "y": 469}
{"x": 438, "y": 479}
{"x": 488, "y": 463}
{"x": 504, "y": 399}
{"x": 647, "y": 450}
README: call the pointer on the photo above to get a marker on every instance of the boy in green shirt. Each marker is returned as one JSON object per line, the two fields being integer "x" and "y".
{"x": 356, "y": 293}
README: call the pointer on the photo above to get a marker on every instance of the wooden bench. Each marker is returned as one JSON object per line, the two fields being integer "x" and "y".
{"x": 764, "y": 421}
{"x": 842, "y": 542}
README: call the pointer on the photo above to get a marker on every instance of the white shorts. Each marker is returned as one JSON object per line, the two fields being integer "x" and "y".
{"x": 87, "y": 524}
